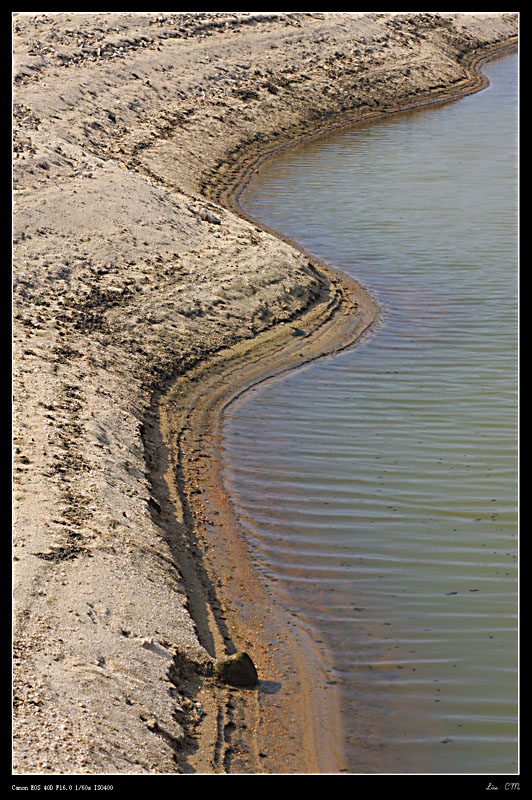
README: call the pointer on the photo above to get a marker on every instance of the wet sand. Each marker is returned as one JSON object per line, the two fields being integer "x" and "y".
{"x": 144, "y": 302}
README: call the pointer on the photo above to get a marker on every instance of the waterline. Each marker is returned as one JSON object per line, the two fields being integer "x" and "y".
{"x": 379, "y": 485}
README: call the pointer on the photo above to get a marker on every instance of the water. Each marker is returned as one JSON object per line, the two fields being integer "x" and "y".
{"x": 379, "y": 486}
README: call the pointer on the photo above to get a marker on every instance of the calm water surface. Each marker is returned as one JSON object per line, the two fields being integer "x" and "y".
{"x": 379, "y": 486}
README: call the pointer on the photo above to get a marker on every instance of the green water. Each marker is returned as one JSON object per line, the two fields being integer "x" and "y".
{"x": 379, "y": 487}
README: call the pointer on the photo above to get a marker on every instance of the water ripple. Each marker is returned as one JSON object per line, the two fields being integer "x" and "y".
{"x": 379, "y": 486}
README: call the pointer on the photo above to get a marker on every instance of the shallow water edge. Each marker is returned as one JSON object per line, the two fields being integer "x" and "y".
{"x": 231, "y": 377}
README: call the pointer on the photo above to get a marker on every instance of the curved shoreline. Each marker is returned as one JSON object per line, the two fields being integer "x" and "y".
{"x": 228, "y": 190}
{"x": 225, "y": 379}
{"x": 190, "y": 417}
{"x": 128, "y": 279}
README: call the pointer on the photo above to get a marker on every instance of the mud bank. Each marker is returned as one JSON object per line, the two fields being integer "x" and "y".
{"x": 142, "y": 302}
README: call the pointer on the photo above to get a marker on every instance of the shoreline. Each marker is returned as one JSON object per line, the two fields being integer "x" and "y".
{"x": 190, "y": 418}
{"x": 320, "y": 717}
{"x": 228, "y": 191}
{"x": 107, "y": 681}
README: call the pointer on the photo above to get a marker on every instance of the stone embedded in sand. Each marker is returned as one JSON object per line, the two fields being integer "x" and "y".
{"x": 237, "y": 670}
{"x": 208, "y": 217}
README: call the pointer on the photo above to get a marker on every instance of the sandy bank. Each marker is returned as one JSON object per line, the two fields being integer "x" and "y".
{"x": 132, "y": 273}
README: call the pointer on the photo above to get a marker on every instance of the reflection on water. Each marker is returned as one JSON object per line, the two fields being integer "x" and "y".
{"x": 379, "y": 486}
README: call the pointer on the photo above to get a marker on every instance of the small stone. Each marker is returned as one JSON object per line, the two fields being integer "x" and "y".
{"x": 208, "y": 217}
{"x": 237, "y": 670}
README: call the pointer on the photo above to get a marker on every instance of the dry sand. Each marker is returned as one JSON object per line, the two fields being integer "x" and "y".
{"x": 142, "y": 302}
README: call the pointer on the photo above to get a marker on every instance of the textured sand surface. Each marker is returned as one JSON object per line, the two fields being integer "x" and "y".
{"x": 131, "y": 268}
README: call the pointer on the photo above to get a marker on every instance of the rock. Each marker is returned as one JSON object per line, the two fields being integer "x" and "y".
{"x": 237, "y": 670}
{"x": 208, "y": 217}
